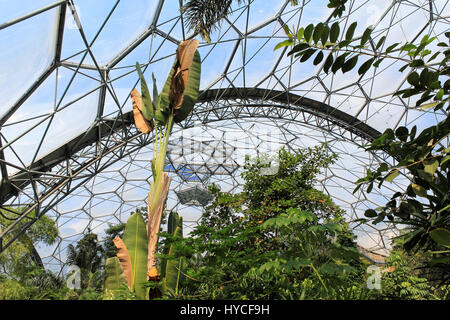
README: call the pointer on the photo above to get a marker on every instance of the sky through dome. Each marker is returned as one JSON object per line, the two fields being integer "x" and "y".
{"x": 64, "y": 101}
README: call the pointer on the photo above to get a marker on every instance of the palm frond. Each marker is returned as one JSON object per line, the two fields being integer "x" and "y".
{"x": 203, "y": 16}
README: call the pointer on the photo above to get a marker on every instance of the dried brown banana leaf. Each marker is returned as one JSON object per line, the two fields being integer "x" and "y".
{"x": 124, "y": 259}
{"x": 143, "y": 125}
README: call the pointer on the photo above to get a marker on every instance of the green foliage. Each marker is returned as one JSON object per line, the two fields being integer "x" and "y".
{"x": 441, "y": 236}
{"x": 111, "y": 232}
{"x": 171, "y": 262}
{"x": 403, "y": 282}
{"x": 44, "y": 282}
{"x": 136, "y": 241}
{"x": 36, "y": 284}
{"x": 149, "y": 107}
{"x": 87, "y": 254}
{"x": 21, "y": 256}
{"x": 424, "y": 206}
{"x": 114, "y": 277}
{"x": 153, "y": 109}
{"x": 339, "y": 7}
{"x": 273, "y": 238}
{"x": 122, "y": 293}
{"x": 303, "y": 238}
{"x": 424, "y": 78}
{"x": 90, "y": 294}
{"x": 12, "y": 290}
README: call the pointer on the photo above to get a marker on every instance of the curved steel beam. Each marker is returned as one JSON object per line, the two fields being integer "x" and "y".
{"x": 290, "y": 101}
{"x": 248, "y": 97}
{"x": 122, "y": 139}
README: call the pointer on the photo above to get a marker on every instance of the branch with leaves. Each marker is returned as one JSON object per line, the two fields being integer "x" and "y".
{"x": 343, "y": 52}
{"x": 425, "y": 205}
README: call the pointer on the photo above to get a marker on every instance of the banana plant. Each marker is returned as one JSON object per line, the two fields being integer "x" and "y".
{"x": 173, "y": 105}
{"x": 137, "y": 251}
{"x": 130, "y": 263}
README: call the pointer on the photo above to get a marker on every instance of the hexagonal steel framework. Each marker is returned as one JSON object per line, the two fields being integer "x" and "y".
{"x": 68, "y": 146}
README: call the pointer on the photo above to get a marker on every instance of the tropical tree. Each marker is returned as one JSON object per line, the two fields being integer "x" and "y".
{"x": 280, "y": 238}
{"x": 203, "y": 16}
{"x": 423, "y": 157}
{"x": 424, "y": 207}
{"x": 21, "y": 256}
{"x": 112, "y": 232}
{"x": 88, "y": 256}
{"x": 22, "y": 272}
{"x": 173, "y": 105}
{"x": 404, "y": 279}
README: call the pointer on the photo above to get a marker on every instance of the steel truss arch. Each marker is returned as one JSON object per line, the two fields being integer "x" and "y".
{"x": 52, "y": 178}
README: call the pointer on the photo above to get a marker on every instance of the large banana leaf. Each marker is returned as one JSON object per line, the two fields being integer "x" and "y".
{"x": 161, "y": 103}
{"x": 173, "y": 266}
{"x": 114, "y": 274}
{"x": 135, "y": 239}
{"x": 156, "y": 99}
{"x": 173, "y": 221}
{"x": 191, "y": 90}
{"x": 189, "y": 95}
{"x": 164, "y": 95}
{"x": 185, "y": 56}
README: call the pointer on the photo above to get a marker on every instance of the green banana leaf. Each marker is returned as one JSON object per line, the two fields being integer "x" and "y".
{"x": 135, "y": 239}
{"x": 162, "y": 114}
{"x": 173, "y": 221}
{"x": 114, "y": 274}
{"x": 161, "y": 111}
{"x": 164, "y": 95}
{"x": 148, "y": 107}
{"x": 162, "y": 104}
{"x": 156, "y": 98}
{"x": 191, "y": 91}
{"x": 173, "y": 267}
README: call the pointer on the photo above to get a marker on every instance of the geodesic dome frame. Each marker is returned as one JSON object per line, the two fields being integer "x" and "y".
{"x": 68, "y": 144}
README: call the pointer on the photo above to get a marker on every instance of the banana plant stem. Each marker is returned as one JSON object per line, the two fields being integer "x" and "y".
{"x": 162, "y": 141}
